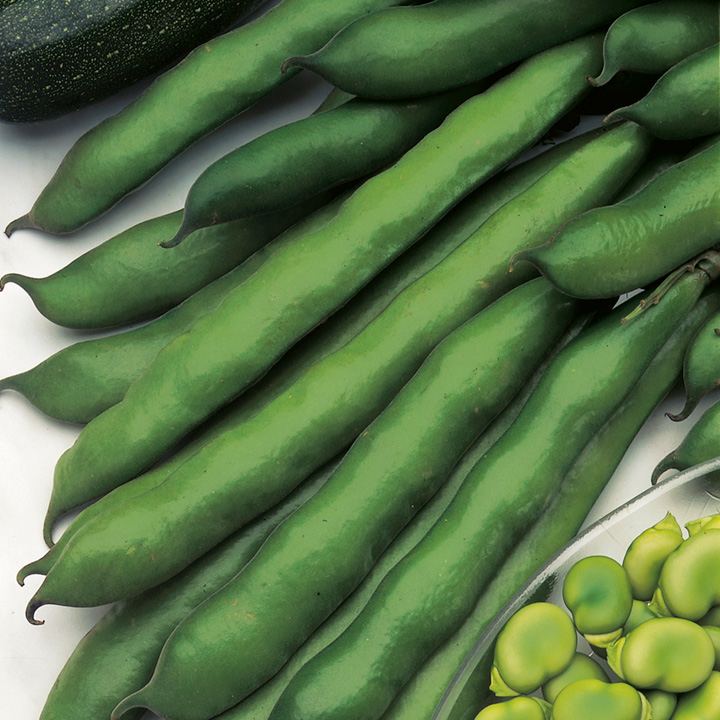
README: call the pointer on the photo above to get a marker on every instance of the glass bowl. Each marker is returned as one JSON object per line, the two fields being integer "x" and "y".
{"x": 690, "y": 494}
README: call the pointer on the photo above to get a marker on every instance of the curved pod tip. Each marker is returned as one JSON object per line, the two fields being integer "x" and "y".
{"x": 667, "y": 463}
{"x": 617, "y": 116}
{"x": 603, "y": 78}
{"x": 685, "y": 413}
{"x": 32, "y": 607}
{"x": 21, "y": 223}
{"x": 41, "y": 566}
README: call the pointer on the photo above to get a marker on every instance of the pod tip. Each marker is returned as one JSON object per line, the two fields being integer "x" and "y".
{"x": 603, "y": 78}
{"x": 667, "y": 463}
{"x": 21, "y": 223}
{"x": 684, "y": 413}
{"x": 31, "y": 608}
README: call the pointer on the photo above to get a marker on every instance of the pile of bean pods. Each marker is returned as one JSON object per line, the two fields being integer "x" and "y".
{"x": 653, "y": 618}
{"x": 329, "y": 416}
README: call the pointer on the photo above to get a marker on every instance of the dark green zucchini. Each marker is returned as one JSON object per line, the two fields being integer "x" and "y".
{"x": 61, "y": 55}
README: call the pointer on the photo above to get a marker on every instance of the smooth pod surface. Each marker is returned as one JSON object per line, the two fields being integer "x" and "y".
{"x": 300, "y": 286}
{"x": 637, "y": 241}
{"x": 335, "y": 398}
{"x": 408, "y": 52}
{"x": 215, "y": 82}
{"x": 654, "y": 37}
{"x": 683, "y": 103}
{"x": 360, "y": 673}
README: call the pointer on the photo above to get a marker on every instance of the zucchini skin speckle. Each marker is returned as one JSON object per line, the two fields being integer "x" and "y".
{"x": 58, "y": 56}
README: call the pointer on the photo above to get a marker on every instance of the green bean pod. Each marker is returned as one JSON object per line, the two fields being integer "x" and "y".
{"x": 98, "y": 675}
{"x": 215, "y": 82}
{"x": 419, "y": 50}
{"x": 702, "y": 442}
{"x": 294, "y": 162}
{"x": 639, "y": 240}
{"x": 360, "y": 673}
{"x": 84, "y": 379}
{"x": 653, "y": 38}
{"x": 129, "y": 278}
{"x": 556, "y": 526}
{"x": 701, "y": 702}
{"x": 701, "y": 371}
{"x": 396, "y": 464}
{"x": 230, "y": 347}
{"x": 335, "y": 398}
{"x": 259, "y": 704}
{"x": 683, "y": 104}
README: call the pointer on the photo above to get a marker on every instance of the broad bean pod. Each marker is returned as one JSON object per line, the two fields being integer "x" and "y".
{"x": 419, "y": 50}
{"x": 260, "y": 703}
{"x": 701, "y": 370}
{"x": 335, "y": 398}
{"x": 653, "y": 38}
{"x": 81, "y": 381}
{"x": 215, "y": 82}
{"x": 505, "y": 492}
{"x": 296, "y": 161}
{"x": 666, "y": 653}
{"x": 103, "y": 367}
{"x": 98, "y": 675}
{"x": 683, "y": 103}
{"x": 640, "y": 239}
{"x": 129, "y": 278}
{"x": 702, "y": 442}
{"x": 229, "y": 348}
{"x": 559, "y": 522}
{"x": 394, "y": 467}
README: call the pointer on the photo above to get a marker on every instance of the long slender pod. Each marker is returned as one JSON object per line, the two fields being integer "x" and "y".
{"x": 119, "y": 653}
{"x": 336, "y": 331}
{"x": 326, "y": 407}
{"x": 442, "y": 578}
{"x": 129, "y": 278}
{"x": 418, "y": 50}
{"x": 701, "y": 369}
{"x": 295, "y": 161}
{"x": 230, "y": 347}
{"x": 78, "y": 691}
{"x": 215, "y": 82}
{"x": 562, "y": 518}
{"x": 637, "y": 241}
{"x": 259, "y": 704}
{"x": 394, "y": 467}
{"x": 701, "y": 443}
{"x": 84, "y": 379}
{"x": 684, "y": 103}
{"x": 653, "y": 38}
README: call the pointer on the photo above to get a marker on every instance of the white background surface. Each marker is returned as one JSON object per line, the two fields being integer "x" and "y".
{"x": 30, "y": 443}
